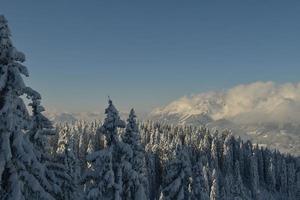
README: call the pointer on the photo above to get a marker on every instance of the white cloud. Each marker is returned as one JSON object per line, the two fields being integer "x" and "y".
{"x": 263, "y": 101}
{"x": 251, "y": 103}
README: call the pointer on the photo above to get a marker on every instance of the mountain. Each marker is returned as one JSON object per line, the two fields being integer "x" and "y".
{"x": 71, "y": 117}
{"x": 264, "y": 112}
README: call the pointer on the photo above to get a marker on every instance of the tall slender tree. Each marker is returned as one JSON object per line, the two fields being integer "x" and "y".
{"x": 104, "y": 177}
{"x": 136, "y": 168}
{"x": 214, "y": 191}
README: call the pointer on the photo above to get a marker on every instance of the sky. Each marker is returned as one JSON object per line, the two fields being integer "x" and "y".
{"x": 144, "y": 54}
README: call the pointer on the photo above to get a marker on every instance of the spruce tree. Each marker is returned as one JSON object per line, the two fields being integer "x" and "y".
{"x": 136, "y": 167}
{"x": 176, "y": 176}
{"x": 254, "y": 178}
{"x": 283, "y": 177}
{"x": 214, "y": 191}
{"x": 71, "y": 189}
{"x": 228, "y": 154}
{"x": 104, "y": 177}
{"x": 111, "y": 124}
{"x": 199, "y": 185}
{"x": 237, "y": 189}
{"x": 22, "y": 175}
{"x": 214, "y": 154}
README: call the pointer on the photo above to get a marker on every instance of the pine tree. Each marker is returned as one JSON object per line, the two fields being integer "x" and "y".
{"x": 71, "y": 186}
{"x": 283, "y": 177}
{"x": 40, "y": 131}
{"x": 22, "y": 175}
{"x": 176, "y": 176}
{"x": 214, "y": 191}
{"x": 298, "y": 185}
{"x": 111, "y": 124}
{"x": 228, "y": 154}
{"x": 84, "y": 140}
{"x": 260, "y": 165}
{"x": 270, "y": 173}
{"x": 39, "y": 134}
{"x": 215, "y": 154}
{"x": 237, "y": 189}
{"x": 254, "y": 175}
{"x": 136, "y": 166}
{"x": 99, "y": 178}
{"x": 291, "y": 180}
{"x": 104, "y": 177}
{"x": 199, "y": 185}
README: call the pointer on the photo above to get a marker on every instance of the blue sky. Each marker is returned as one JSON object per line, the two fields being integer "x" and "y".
{"x": 147, "y": 53}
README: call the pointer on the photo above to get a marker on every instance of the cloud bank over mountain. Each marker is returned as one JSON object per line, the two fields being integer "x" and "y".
{"x": 264, "y": 112}
{"x": 258, "y": 102}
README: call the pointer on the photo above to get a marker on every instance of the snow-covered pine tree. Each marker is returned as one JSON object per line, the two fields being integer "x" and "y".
{"x": 22, "y": 175}
{"x": 111, "y": 124}
{"x": 104, "y": 177}
{"x": 247, "y": 153}
{"x": 270, "y": 172}
{"x": 137, "y": 162}
{"x": 283, "y": 177}
{"x": 214, "y": 154}
{"x": 228, "y": 154}
{"x": 214, "y": 191}
{"x": 254, "y": 179}
{"x": 199, "y": 185}
{"x": 291, "y": 180}
{"x": 297, "y": 185}
{"x": 84, "y": 140}
{"x": 176, "y": 176}
{"x": 260, "y": 165}
{"x": 99, "y": 179}
{"x": 40, "y": 131}
{"x": 71, "y": 188}
{"x": 39, "y": 134}
{"x": 237, "y": 189}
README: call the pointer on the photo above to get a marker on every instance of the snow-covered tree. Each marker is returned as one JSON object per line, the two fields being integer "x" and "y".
{"x": 237, "y": 190}
{"x": 71, "y": 188}
{"x": 214, "y": 191}
{"x": 270, "y": 173}
{"x": 214, "y": 154}
{"x": 22, "y": 175}
{"x": 228, "y": 155}
{"x": 104, "y": 177}
{"x": 283, "y": 177}
{"x": 254, "y": 178}
{"x": 100, "y": 178}
{"x": 137, "y": 161}
{"x": 111, "y": 124}
{"x": 291, "y": 180}
{"x": 40, "y": 131}
{"x": 176, "y": 176}
{"x": 199, "y": 185}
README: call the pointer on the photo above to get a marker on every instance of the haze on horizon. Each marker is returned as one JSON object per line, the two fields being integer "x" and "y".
{"x": 147, "y": 54}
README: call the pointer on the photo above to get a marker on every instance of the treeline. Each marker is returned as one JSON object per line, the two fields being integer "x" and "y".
{"x": 185, "y": 162}
{"x": 118, "y": 160}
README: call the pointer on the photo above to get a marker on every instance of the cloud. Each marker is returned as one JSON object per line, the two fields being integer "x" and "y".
{"x": 263, "y": 102}
{"x": 250, "y": 103}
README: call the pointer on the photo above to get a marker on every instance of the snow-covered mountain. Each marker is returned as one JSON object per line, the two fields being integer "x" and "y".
{"x": 71, "y": 117}
{"x": 265, "y": 112}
